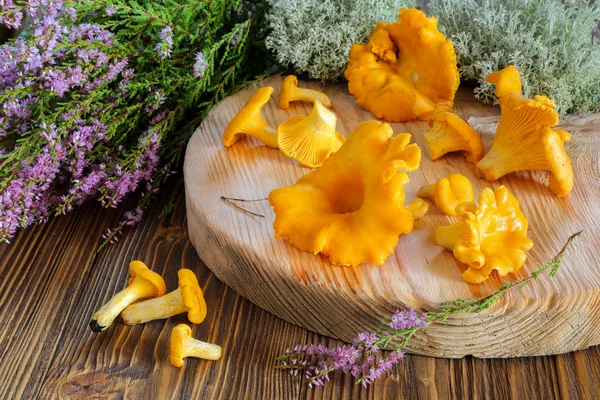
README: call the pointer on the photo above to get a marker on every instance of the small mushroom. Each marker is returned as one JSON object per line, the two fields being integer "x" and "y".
{"x": 291, "y": 92}
{"x": 250, "y": 121}
{"x": 450, "y": 133}
{"x": 184, "y": 345}
{"x": 143, "y": 284}
{"x": 418, "y": 207}
{"x": 187, "y": 297}
{"x": 449, "y": 192}
{"x": 310, "y": 140}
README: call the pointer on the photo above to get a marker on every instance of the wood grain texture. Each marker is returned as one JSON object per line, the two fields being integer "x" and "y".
{"x": 550, "y": 317}
{"x": 51, "y": 281}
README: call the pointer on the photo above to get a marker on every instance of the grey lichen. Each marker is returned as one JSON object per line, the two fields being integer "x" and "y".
{"x": 314, "y": 36}
{"x": 549, "y": 41}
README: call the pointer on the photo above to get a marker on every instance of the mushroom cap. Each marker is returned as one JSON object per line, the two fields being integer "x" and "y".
{"x": 178, "y": 336}
{"x": 285, "y": 95}
{"x": 310, "y": 140}
{"x": 407, "y": 68}
{"x": 138, "y": 269}
{"x": 507, "y": 80}
{"x": 244, "y": 120}
{"x": 456, "y": 131}
{"x": 192, "y": 296}
{"x": 452, "y": 191}
{"x": 352, "y": 207}
{"x": 418, "y": 207}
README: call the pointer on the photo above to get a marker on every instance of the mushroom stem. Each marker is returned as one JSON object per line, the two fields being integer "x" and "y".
{"x": 426, "y": 191}
{"x": 439, "y": 142}
{"x": 321, "y": 119}
{"x": 309, "y": 95}
{"x": 199, "y": 349}
{"x": 261, "y": 131}
{"x": 157, "y": 308}
{"x": 109, "y": 311}
{"x": 447, "y": 236}
{"x": 493, "y": 166}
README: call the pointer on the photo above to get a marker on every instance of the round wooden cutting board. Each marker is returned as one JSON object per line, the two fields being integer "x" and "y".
{"x": 552, "y": 315}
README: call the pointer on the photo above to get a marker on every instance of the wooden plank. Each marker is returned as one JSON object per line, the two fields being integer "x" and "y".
{"x": 47, "y": 350}
{"x": 40, "y": 278}
{"x": 133, "y": 362}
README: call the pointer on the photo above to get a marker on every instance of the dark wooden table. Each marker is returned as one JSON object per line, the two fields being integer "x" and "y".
{"x": 52, "y": 280}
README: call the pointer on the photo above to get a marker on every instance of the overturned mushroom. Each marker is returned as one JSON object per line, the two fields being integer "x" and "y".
{"x": 312, "y": 139}
{"x": 291, "y": 92}
{"x": 249, "y": 121}
{"x": 143, "y": 284}
{"x": 187, "y": 297}
{"x": 449, "y": 192}
{"x": 450, "y": 133}
{"x": 184, "y": 345}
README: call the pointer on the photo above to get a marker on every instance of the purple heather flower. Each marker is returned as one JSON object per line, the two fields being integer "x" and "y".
{"x": 408, "y": 319}
{"x": 362, "y": 359}
{"x": 128, "y": 73}
{"x": 200, "y": 65}
{"x": 165, "y": 46}
{"x": 131, "y": 218}
{"x": 110, "y": 10}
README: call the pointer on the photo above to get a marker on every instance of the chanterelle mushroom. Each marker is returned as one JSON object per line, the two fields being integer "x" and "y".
{"x": 524, "y": 138}
{"x": 491, "y": 236}
{"x": 449, "y": 192}
{"x": 291, "y": 92}
{"x": 449, "y": 133}
{"x": 405, "y": 70}
{"x": 187, "y": 297}
{"x": 310, "y": 140}
{"x": 143, "y": 284}
{"x": 250, "y": 121}
{"x": 183, "y": 345}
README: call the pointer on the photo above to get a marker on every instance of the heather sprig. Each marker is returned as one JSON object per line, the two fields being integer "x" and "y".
{"x": 99, "y": 98}
{"x": 363, "y": 358}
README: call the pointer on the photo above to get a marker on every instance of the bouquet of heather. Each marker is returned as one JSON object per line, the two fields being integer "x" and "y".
{"x": 99, "y": 98}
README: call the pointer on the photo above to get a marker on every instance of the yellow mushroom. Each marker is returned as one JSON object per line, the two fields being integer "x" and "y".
{"x": 524, "y": 138}
{"x": 449, "y": 133}
{"x": 184, "y": 345}
{"x": 187, "y": 297}
{"x": 418, "y": 207}
{"x": 291, "y": 92}
{"x": 491, "y": 236}
{"x": 143, "y": 284}
{"x": 250, "y": 121}
{"x": 449, "y": 192}
{"x": 351, "y": 208}
{"x": 310, "y": 140}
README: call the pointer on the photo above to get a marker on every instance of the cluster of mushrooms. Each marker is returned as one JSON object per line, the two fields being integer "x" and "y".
{"x": 144, "y": 300}
{"x": 351, "y": 208}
